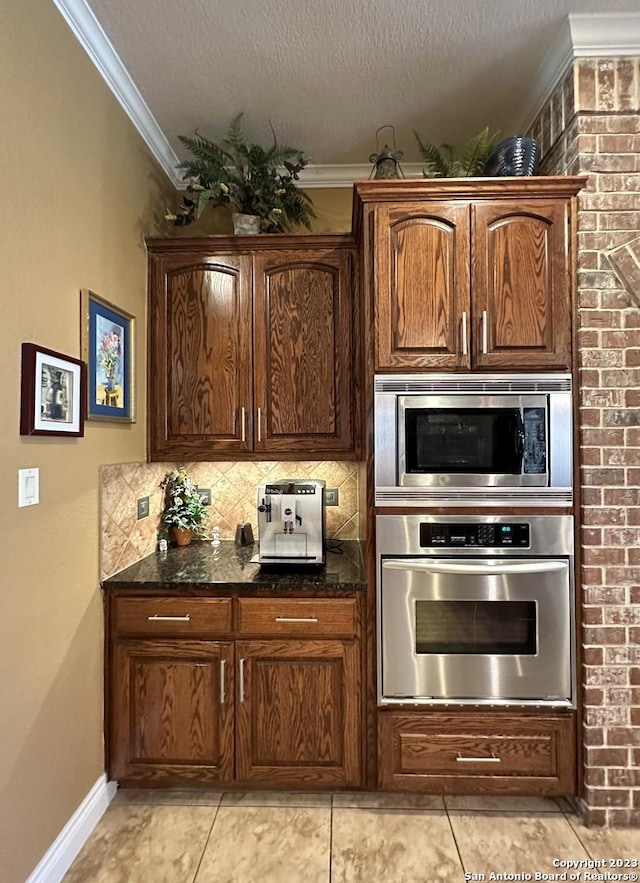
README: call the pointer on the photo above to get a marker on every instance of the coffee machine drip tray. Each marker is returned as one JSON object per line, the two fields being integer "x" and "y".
{"x": 288, "y": 548}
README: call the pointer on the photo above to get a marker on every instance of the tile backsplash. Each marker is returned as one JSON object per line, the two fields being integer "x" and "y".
{"x": 125, "y": 539}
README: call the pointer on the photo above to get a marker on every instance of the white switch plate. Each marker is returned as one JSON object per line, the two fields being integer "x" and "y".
{"x": 28, "y": 487}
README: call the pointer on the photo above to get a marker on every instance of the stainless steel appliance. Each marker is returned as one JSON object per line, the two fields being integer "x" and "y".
{"x": 291, "y": 522}
{"x": 461, "y": 439}
{"x": 476, "y": 610}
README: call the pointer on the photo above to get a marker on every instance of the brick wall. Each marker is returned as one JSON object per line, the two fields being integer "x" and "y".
{"x": 591, "y": 125}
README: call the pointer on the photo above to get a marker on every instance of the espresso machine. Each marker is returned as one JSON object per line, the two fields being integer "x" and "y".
{"x": 291, "y": 522}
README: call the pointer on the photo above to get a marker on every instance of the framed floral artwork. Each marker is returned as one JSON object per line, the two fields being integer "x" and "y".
{"x": 107, "y": 336}
{"x": 52, "y": 392}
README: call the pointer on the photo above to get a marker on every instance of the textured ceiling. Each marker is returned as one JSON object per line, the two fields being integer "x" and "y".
{"x": 328, "y": 73}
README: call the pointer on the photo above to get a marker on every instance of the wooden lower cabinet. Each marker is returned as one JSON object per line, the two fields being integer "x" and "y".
{"x": 254, "y": 706}
{"x": 298, "y": 713}
{"x": 477, "y": 752}
{"x": 172, "y": 712}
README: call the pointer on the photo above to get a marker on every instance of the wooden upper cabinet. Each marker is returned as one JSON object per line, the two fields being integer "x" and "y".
{"x": 421, "y": 285}
{"x": 251, "y": 347}
{"x": 521, "y": 285}
{"x": 471, "y": 273}
{"x": 303, "y": 352}
{"x": 200, "y": 356}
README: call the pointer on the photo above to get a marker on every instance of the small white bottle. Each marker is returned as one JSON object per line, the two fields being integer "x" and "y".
{"x": 215, "y": 536}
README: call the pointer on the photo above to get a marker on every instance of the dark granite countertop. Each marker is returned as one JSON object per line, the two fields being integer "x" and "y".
{"x": 227, "y": 566}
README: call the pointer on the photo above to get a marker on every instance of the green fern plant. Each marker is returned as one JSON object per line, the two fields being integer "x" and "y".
{"x": 248, "y": 178}
{"x": 449, "y": 162}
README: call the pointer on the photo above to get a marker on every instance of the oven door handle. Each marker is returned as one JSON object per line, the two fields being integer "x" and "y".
{"x": 476, "y": 568}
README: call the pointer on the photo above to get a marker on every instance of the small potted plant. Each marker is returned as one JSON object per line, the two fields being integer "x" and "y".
{"x": 184, "y": 510}
{"x": 254, "y": 181}
{"x": 451, "y": 162}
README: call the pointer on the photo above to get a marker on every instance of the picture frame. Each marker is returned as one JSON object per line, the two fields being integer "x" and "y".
{"x": 107, "y": 345}
{"x": 52, "y": 393}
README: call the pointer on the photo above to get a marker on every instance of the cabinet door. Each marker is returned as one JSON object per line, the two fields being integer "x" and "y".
{"x": 298, "y": 713}
{"x": 303, "y": 353}
{"x": 521, "y": 285}
{"x": 421, "y": 278}
{"x": 200, "y": 357}
{"x": 171, "y": 708}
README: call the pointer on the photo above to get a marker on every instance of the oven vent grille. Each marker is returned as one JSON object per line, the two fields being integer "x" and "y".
{"x": 444, "y": 383}
{"x": 472, "y": 497}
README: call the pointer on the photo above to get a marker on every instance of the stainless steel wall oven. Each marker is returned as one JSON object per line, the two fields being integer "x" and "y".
{"x": 459, "y": 439}
{"x": 476, "y": 610}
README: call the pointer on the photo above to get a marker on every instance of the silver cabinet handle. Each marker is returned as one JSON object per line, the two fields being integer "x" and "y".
{"x": 223, "y": 663}
{"x": 464, "y": 333}
{"x": 485, "y": 339}
{"x": 491, "y": 759}
{"x": 296, "y": 619}
{"x": 259, "y": 426}
{"x": 157, "y": 618}
{"x": 242, "y": 680}
{"x": 243, "y": 434}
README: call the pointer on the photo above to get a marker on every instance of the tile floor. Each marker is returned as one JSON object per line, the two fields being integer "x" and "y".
{"x": 266, "y": 837}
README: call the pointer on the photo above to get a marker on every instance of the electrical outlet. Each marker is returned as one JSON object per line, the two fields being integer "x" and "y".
{"x": 205, "y": 495}
{"x": 143, "y": 507}
{"x": 331, "y": 496}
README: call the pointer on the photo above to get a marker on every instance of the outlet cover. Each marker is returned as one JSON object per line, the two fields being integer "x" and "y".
{"x": 143, "y": 507}
{"x": 331, "y": 496}
{"x": 205, "y": 495}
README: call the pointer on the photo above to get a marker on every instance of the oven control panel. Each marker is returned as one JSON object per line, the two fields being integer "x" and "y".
{"x": 481, "y": 534}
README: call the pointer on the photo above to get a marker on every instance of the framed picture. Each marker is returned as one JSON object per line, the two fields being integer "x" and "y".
{"x": 107, "y": 338}
{"x": 52, "y": 393}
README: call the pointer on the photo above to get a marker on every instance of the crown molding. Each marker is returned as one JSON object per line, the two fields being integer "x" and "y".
{"x": 97, "y": 45}
{"x": 597, "y": 35}
{"x": 581, "y": 36}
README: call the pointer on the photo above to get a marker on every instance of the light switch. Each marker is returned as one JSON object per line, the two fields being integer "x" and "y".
{"x": 28, "y": 487}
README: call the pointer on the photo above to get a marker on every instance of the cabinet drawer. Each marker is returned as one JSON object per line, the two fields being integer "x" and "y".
{"x": 301, "y": 617}
{"x": 500, "y": 753}
{"x": 478, "y": 755}
{"x": 170, "y": 617}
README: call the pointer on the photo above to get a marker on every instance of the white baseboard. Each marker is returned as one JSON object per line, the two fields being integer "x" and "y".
{"x": 60, "y": 855}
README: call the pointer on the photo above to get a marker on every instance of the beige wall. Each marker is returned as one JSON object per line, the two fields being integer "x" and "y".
{"x": 79, "y": 189}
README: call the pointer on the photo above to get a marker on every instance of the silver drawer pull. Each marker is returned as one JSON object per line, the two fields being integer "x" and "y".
{"x": 296, "y": 619}
{"x": 157, "y": 618}
{"x": 242, "y": 680}
{"x": 492, "y": 759}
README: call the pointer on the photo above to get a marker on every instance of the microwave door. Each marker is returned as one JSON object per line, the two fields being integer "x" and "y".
{"x": 471, "y": 442}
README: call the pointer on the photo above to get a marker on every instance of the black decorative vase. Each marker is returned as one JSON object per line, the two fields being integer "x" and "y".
{"x": 514, "y": 156}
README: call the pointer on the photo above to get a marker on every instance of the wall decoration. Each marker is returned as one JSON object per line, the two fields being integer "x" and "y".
{"x": 52, "y": 393}
{"x": 107, "y": 336}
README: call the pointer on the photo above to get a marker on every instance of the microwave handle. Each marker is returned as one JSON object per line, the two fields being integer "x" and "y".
{"x": 477, "y": 568}
{"x": 519, "y": 439}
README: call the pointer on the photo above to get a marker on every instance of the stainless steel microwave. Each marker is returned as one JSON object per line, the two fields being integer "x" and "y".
{"x": 473, "y": 439}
